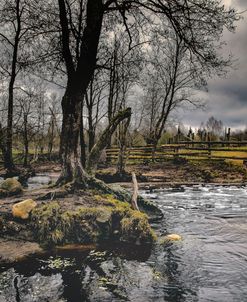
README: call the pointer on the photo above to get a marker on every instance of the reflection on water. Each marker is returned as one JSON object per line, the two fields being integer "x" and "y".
{"x": 38, "y": 181}
{"x": 35, "y": 182}
{"x": 209, "y": 264}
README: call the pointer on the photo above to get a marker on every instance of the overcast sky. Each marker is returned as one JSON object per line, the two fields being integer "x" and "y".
{"x": 227, "y": 98}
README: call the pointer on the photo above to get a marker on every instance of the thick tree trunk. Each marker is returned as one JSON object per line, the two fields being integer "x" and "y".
{"x": 79, "y": 76}
{"x": 103, "y": 141}
{"x": 72, "y": 168}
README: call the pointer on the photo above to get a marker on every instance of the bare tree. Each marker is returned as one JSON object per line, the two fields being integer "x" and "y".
{"x": 81, "y": 26}
{"x": 214, "y": 127}
{"x": 12, "y": 24}
{"x": 17, "y": 35}
{"x": 172, "y": 84}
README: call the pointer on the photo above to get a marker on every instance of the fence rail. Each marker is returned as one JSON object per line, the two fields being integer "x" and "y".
{"x": 217, "y": 150}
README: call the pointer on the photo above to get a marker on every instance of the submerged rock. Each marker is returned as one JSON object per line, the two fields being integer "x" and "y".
{"x": 9, "y": 187}
{"x": 22, "y": 209}
{"x": 36, "y": 288}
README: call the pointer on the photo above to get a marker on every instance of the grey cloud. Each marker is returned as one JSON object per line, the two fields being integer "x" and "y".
{"x": 227, "y": 98}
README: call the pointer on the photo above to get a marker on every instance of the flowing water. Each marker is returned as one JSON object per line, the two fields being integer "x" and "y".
{"x": 209, "y": 264}
{"x": 35, "y": 182}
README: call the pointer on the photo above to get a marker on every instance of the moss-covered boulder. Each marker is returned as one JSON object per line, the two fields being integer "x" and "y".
{"x": 22, "y": 209}
{"x": 10, "y": 187}
{"x": 111, "y": 220}
{"x": 135, "y": 228}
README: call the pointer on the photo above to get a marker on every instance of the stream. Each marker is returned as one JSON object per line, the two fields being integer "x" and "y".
{"x": 209, "y": 264}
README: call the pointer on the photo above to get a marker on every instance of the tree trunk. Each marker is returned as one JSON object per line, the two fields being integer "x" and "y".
{"x": 121, "y": 160}
{"x": 82, "y": 140}
{"x": 91, "y": 131}
{"x": 2, "y": 145}
{"x": 8, "y": 160}
{"x": 26, "y": 144}
{"x": 79, "y": 75}
{"x": 72, "y": 168}
{"x": 103, "y": 141}
{"x": 123, "y": 127}
{"x": 51, "y": 132}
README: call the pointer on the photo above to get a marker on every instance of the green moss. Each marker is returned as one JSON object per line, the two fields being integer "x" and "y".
{"x": 44, "y": 222}
{"x": 10, "y": 186}
{"x": 113, "y": 219}
{"x": 110, "y": 200}
{"x": 135, "y": 227}
{"x": 52, "y": 226}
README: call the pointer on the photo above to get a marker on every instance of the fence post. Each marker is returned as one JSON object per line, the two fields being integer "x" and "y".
{"x": 176, "y": 152}
{"x": 209, "y": 150}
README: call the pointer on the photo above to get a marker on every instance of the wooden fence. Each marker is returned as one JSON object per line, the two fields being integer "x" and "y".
{"x": 231, "y": 150}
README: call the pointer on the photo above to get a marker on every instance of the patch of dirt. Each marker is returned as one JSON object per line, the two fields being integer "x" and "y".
{"x": 14, "y": 232}
{"x": 12, "y": 251}
{"x": 187, "y": 172}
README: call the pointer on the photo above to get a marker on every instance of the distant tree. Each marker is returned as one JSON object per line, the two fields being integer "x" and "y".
{"x": 13, "y": 16}
{"x": 19, "y": 31}
{"x": 175, "y": 75}
{"x": 214, "y": 127}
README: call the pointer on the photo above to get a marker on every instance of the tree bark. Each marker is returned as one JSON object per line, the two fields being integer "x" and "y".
{"x": 8, "y": 160}
{"x": 104, "y": 139}
{"x": 72, "y": 167}
{"x": 79, "y": 75}
{"x": 123, "y": 127}
{"x": 82, "y": 139}
{"x": 26, "y": 143}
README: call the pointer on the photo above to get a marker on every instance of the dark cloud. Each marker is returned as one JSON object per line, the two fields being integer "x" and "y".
{"x": 227, "y": 98}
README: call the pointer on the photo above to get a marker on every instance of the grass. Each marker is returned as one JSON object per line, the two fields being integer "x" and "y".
{"x": 227, "y": 153}
{"x": 242, "y": 154}
{"x": 137, "y": 156}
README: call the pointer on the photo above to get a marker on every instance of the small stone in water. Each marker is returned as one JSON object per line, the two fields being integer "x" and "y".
{"x": 173, "y": 237}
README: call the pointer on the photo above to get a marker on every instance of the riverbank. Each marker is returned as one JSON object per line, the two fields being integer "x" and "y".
{"x": 61, "y": 217}
{"x": 172, "y": 173}
{"x": 184, "y": 172}
{"x": 98, "y": 210}
{"x": 212, "y": 223}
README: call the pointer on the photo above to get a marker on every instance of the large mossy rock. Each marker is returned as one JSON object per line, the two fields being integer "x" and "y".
{"x": 52, "y": 225}
{"x": 10, "y": 187}
{"x": 22, "y": 209}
